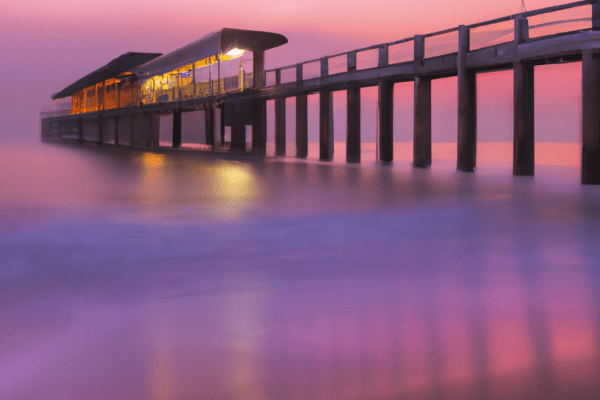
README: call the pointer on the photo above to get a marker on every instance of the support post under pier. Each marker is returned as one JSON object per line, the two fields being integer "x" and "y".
{"x": 177, "y": 129}
{"x": 302, "y": 126}
{"x": 422, "y": 123}
{"x": 386, "y": 121}
{"x": 280, "y": 142}
{"x": 259, "y": 127}
{"x": 209, "y": 125}
{"x": 467, "y": 106}
{"x": 326, "y": 126}
{"x": 353, "y": 125}
{"x": 523, "y": 150}
{"x": 590, "y": 152}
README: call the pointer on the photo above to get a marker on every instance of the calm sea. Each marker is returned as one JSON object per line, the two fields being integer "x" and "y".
{"x": 188, "y": 275}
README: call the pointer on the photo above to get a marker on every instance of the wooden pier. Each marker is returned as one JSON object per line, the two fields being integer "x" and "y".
{"x": 238, "y": 109}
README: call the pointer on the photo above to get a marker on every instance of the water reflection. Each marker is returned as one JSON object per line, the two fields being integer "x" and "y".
{"x": 182, "y": 275}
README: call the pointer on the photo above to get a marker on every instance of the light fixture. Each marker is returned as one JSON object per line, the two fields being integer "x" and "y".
{"x": 235, "y": 52}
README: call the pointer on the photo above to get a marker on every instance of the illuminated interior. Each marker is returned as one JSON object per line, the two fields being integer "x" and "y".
{"x": 210, "y": 76}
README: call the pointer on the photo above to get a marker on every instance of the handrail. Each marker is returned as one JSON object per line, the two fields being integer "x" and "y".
{"x": 449, "y": 30}
{"x": 525, "y": 14}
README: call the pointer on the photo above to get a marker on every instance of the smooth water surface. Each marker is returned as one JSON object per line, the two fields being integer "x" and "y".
{"x": 182, "y": 275}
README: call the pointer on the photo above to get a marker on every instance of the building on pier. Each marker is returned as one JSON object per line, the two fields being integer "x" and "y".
{"x": 220, "y": 62}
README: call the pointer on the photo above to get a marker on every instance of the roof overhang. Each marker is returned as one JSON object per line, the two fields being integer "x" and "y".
{"x": 113, "y": 69}
{"x": 214, "y": 43}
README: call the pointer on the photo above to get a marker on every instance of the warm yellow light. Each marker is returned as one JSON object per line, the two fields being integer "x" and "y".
{"x": 152, "y": 160}
{"x": 235, "y": 52}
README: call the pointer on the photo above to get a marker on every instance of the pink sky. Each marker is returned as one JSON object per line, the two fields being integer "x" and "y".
{"x": 47, "y": 45}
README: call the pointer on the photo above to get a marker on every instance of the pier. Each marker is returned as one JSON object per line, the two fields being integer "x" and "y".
{"x": 137, "y": 124}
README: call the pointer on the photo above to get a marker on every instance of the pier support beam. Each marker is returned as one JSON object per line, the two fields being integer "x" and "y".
{"x": 280, "y": 142}
{"x": 353, "y": 124}
{"x": 209, "y": 125}
{"x": 590, "y": 152}
{"x": 422, "y": 123}
{"x": 523, "y": 147}
{"x": 326, "y": 126}
{"x": 386, "y": 121}
{"x": 177, "y": 129}
{"x": 238, "y": 124}
{"x": 467, "y": 106}
{"x": 422, "y": 110}
{"x": 259, "y": 126}
{"x": 302, "y": 126}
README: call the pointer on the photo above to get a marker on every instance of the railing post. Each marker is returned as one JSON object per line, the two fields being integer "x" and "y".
{"x": 590, "y": 152}
{"x": 299, "y": 75}
{"x": 521, "y": 29}
{"x": 596, "y": 15}
{"x": 383, "y": 56}
{"x": 351, "y": 59}
{"x": 324, "y": 67}
{"x": 467, "y": 106}
{"x": 277, "y": 77}
{"x": 422, "y": 111}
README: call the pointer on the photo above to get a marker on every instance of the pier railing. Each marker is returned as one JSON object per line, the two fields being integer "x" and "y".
{"x": 428, "y": 45}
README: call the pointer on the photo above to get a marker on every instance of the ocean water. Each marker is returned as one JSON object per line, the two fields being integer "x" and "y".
{"x": 188, "y": 275}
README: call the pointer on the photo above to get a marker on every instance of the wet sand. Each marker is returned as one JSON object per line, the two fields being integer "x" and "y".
{"x": 133, "y": 275}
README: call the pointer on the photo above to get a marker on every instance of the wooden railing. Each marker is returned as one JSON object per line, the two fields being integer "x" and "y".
{"x": 273, "y": 77}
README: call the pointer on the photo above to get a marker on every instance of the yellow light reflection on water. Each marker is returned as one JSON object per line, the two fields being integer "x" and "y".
{"x": 234, "y": 189}
{"x": 153, "y": 179}
{"x": 151, "y": 160}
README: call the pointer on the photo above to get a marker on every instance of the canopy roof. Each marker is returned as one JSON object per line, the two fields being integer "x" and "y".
{"x": 214, "y": 43}
{"x": 117, "y": 66}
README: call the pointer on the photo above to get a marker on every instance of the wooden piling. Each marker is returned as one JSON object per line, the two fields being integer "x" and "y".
{"x": 523, "y": 77}
{"x": 386, "y": 121}
{"x": 326, "y": 126}
{"x": 302, "y": 126}
{"x": 467, "y": 106}
{"x": 325, "y": 118}
{"x": 590, "y": 151}
{"x": 177, "y": 128}
{"x": 209, "y": 125}
{"x": 280, "y": 142}
{"x": 422, "y": 110}
{"x": 523, "y": 151}
{"x": 259, "y": 126}
{"x": 353, "y": 124}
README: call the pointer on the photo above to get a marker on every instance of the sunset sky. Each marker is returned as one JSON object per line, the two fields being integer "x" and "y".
{"x": 46, "y": 45}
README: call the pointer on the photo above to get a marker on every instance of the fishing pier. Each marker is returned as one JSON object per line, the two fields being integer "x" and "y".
{"x": 241, "y": 100}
